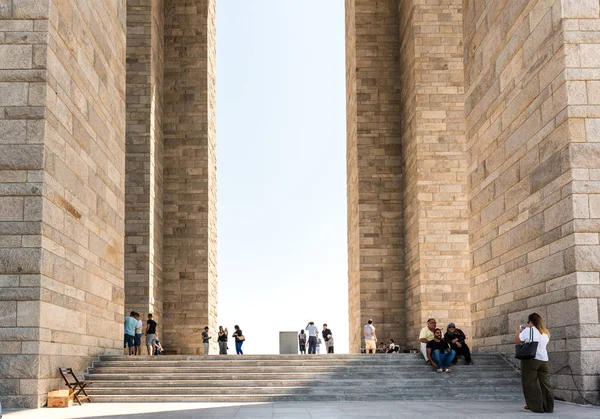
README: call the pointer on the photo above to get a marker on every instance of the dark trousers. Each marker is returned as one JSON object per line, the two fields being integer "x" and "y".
{"x": 222, "y": 347}
{"x": 330, "y": 350}
{"x": 312, "y": 344}
{"x": 536, "y": 386}
{"x": 303, "y": 348}
{"x": 238, "y": 347}
{"x": 464, "y": 351}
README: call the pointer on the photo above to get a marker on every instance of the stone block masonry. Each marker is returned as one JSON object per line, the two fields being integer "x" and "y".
{"x": 62, "y": 182}
{"x": 189, "y": 261}
{"x": 375, "y": 205}
{"x": 144, "y": 152}
{"x": 435, "y": 165}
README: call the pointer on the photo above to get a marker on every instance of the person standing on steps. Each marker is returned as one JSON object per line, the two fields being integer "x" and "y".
{"x": 456, "y": 338}
{"x": 150, "y": 335}
{"x": 326, "y": 333}
{"x": 137, "y": 341}
{"x": 318, "y": 345}
{"x": 425, "y": 336}
{"x": 439, "y": 353}
{"x": 534, "y": 372}
{"x": 302, "y": 342}
{"x": 370, "y": 337}
{"x": 206, "y": 340}
{"x": 129, "y": 329}
{"x": 312, "y": 337}
{"x": 222, "y": 339}
{"x": 239, "y": 339}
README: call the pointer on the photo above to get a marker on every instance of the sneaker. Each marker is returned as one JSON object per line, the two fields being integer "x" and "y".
{"x": 448, "y": 370}
{"x": 470, "y": 363}
{"x": 440, "y": 370}
{"x": 527, "y": 409}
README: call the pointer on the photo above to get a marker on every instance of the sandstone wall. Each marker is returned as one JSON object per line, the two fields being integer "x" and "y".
{"x": 189, "y": 265}
{"x": 62, "y": 172}
{"x": 435, "y": 165}
{"x": 144, "y": 152}
{"x": 375, "y": 212}
{"x": 531, "y": 71}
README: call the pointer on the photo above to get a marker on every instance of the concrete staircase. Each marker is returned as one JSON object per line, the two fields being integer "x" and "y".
{"x": 268, "y": 378}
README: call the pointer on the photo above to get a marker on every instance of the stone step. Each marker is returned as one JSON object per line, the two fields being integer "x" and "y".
{"x": 390, "y": 390}
{"x": 356, "y": 370}
{"x": 232, "y": 398}
{"x": 321, "y": 357}
{"x": 333, "y": 363}
{"x": 285, "y": 376}
{"x": 449, "y": 379}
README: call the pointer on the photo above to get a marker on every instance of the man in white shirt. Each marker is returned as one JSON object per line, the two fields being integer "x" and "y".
{"x": 312, "y": 331}
{"x": 370, "y": 337}
{"x": 426, "y": 336}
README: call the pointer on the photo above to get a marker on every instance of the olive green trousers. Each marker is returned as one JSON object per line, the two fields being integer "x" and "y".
{"x": 536, "y": 385}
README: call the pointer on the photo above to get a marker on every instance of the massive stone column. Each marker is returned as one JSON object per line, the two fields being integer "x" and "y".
{"x": 435, "y": 164}
{"x": 62, "y": 182}
{"x": 189, "y": 264}
{"x": 375, "y": 212}
{"x": 533, "y": 106}
{"x": 144, "y": 152}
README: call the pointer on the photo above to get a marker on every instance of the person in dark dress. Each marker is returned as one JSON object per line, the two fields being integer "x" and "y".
{"x": 456, "y": 339}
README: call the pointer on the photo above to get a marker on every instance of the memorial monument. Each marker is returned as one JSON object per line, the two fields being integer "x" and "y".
{"x": 473, "y": 176}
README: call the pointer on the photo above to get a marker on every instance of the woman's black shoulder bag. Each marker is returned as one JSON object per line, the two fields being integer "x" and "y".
{"x": 526, "y": 350}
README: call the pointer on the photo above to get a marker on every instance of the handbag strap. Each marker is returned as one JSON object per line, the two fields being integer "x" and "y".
{"x": 531, "y": 334}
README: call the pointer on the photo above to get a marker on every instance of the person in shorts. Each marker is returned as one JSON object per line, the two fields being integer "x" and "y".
{"x": 150, "y": 335}
{"x": 370, "y": 337}
{"x": 129, "y": 329}
{"x": 137, "y": 339}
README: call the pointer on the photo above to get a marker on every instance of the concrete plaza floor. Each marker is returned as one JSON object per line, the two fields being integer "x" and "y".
{"x": 316, "y": 409}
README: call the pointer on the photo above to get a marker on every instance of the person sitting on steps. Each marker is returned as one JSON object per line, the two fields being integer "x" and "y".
{"x": 425, "y": 336}
{"x": 456, "y": 338}
{"x": 439, "y": 353}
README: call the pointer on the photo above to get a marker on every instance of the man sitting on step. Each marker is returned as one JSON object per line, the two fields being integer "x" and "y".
{"x": 439, "y": 353}
{"x": 427, "y": 336}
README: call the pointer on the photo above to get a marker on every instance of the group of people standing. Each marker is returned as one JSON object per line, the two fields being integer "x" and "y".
{"x": 313, "y": 339}
{"x": 133, "y": 335}
{"x": 223, "y": 339}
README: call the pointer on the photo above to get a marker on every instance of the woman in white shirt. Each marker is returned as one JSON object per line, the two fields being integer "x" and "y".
{"x": 534, "y": 372}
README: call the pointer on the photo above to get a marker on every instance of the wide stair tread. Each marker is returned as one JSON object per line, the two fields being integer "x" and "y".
{"x": 271, "y": 378}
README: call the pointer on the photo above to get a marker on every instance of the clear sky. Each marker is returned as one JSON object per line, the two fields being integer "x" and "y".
{"x": 281, "y": 165}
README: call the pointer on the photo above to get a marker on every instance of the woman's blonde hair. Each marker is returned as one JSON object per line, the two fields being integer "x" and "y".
{"x": 537, "y": 321}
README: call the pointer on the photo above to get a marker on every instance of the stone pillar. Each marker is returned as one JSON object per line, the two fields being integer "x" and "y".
{"x": 144, "y": 151}
{"x": 62, "y": 175}
{"x": 435, "y": 165}
{"x": 375, "y": 213}
{"x": 533, "y": 106}
{"x": 190, "y": 277}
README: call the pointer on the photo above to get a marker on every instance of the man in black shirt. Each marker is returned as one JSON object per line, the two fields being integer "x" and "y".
{"x": 326, "y": 335}
{"x": 150, "y": 335}
{"x": 439, "y": 352}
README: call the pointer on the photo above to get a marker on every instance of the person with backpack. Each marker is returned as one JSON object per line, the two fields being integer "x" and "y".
{"x": 239, "y": 339}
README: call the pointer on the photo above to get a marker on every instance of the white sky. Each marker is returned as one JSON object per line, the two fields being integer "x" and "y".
{"x": 281, "y": 169}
